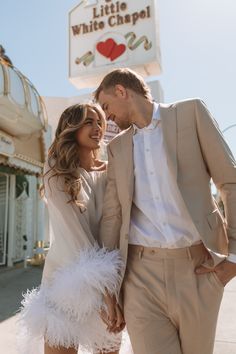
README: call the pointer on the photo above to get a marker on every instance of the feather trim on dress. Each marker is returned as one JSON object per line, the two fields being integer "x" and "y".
{"x": 65, "y": 312}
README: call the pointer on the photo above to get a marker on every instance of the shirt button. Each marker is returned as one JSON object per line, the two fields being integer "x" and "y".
{"x": 151, "y": 172}
{"x": 147, "y": 150}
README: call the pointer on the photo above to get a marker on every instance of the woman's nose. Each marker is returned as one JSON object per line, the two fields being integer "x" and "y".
{"x": 97, "y": 126}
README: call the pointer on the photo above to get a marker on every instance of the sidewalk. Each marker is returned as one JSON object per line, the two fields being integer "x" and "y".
{"x": 226, "y": 329}
{"x": 14, "y": 282}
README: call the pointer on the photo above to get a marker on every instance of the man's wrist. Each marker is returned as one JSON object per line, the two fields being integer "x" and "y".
{"x": 231, "y": 258}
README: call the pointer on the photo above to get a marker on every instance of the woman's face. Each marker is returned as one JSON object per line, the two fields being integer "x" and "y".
{"x": 90, "y": 134}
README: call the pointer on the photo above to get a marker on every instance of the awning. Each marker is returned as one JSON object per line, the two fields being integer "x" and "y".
{"x": 17, "y": 166}
{"x": 25, "y": 154}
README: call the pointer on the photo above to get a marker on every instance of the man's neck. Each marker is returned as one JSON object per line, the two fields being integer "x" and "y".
{"x": 142, "y": 112}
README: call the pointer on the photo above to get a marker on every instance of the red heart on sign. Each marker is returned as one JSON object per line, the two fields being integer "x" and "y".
{"x": 110, "y": 49}
{"x": 105, "y": 48}
{"x": 117, "y": 51}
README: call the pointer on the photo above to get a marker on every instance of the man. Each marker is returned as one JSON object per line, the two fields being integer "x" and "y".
{"x": 159, "y": 211}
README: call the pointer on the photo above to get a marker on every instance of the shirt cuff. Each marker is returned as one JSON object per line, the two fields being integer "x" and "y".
{"x": 231, "y": 258}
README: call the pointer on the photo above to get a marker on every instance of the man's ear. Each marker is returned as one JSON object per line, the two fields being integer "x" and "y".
{"x": 120, "y": 91}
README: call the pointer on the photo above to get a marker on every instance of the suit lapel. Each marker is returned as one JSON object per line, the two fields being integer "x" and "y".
{"x": 127, "y": 157}
{"x": 169, "y": 128}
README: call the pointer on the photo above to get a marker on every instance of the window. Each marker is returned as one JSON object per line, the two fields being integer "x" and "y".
{"x": 16, "y": 87}
{"x": 1, "y": 81}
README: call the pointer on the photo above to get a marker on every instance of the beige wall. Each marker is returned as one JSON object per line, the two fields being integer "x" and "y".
{"x": 56, "y": 105}
{"x": 30, "y": 146}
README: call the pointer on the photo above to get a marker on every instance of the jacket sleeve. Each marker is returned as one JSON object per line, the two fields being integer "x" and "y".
{"x": 110, "y": 225}
{"x": 221, "y": 166}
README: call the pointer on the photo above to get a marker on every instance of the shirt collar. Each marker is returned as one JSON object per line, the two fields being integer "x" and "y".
{"x": 154, "y": 122}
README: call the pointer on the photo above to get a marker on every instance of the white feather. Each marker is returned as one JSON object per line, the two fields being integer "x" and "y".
{"x": 65, "y": 312}
{"x": 87, "y": 277}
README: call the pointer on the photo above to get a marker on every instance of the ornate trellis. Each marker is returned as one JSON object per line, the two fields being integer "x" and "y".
{"x": 21, "y": 207}
{"x": 3, "y": 217}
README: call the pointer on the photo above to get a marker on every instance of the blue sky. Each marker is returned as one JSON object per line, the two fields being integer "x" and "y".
{"x": 197, "y": 44}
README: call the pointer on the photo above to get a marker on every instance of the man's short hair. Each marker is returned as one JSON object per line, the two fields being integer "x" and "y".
{"x": 127, "y": 78}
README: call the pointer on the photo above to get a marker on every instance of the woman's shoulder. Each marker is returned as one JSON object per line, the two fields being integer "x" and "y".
{"x": 99, "y": 180}
{"x": 93, "y": 177}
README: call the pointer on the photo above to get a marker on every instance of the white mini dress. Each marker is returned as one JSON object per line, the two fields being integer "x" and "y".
{"x": 64, "y": 310}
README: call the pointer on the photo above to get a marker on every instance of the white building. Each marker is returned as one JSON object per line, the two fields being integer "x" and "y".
{"x": 23, "y": 145}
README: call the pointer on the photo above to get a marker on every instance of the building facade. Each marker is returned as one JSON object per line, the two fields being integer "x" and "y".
{"x": 23, "y": 145}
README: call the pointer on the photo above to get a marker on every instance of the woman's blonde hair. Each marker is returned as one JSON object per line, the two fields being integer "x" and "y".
{"x": 63, "y": 158}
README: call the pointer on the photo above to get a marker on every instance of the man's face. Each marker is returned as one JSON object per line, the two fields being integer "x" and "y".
{"x": 116, "y": 108}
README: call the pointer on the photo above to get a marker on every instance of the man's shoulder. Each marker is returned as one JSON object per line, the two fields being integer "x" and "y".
{"x": 118, "y": 137}
{"x": 184, "y": 102}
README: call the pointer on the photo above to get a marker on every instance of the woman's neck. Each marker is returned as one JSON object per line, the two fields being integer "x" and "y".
{"x": 86, "y": 158}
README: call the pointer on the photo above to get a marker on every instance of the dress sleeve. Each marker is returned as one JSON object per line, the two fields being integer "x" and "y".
{"x": 70, "y": 231}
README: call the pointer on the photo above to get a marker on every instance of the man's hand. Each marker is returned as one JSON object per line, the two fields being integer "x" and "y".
{"x": 225, "y": 271}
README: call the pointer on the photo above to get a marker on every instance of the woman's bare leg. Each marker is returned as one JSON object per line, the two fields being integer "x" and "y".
{"x": 62, "y": 350}
{"x": 59, "y": 350}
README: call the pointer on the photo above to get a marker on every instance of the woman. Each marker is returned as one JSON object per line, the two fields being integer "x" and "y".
{"x": 64, "y": 312}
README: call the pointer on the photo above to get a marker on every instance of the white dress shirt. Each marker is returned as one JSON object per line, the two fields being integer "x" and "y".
{"x": 159, "y": 216}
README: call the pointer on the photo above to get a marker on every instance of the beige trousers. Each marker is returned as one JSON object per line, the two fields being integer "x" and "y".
{"x": 168, "y": 308}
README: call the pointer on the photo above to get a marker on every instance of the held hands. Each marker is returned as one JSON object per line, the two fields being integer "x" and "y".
{"x": 113, "y": 317}
{"x": 225, "y": 271}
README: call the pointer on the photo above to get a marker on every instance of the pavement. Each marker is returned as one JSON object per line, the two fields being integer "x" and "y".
{"x": 15, "y": 281}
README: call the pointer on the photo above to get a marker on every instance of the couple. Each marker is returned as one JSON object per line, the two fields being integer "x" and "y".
{"x": 168, "y": 250}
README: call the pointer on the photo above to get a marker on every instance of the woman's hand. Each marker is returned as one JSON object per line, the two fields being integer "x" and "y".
{"x": 109, "y": 315}
{"x": 120, "y": 321}
{"x": 113, "y": 317}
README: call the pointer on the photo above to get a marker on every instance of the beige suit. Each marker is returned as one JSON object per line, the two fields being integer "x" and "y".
{"x": 196, "y": 152}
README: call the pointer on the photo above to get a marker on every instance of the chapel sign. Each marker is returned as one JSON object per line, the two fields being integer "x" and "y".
{"x": 105, "y": 34}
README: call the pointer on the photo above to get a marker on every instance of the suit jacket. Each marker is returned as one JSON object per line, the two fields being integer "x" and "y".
{"x": 196, "y": 152}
